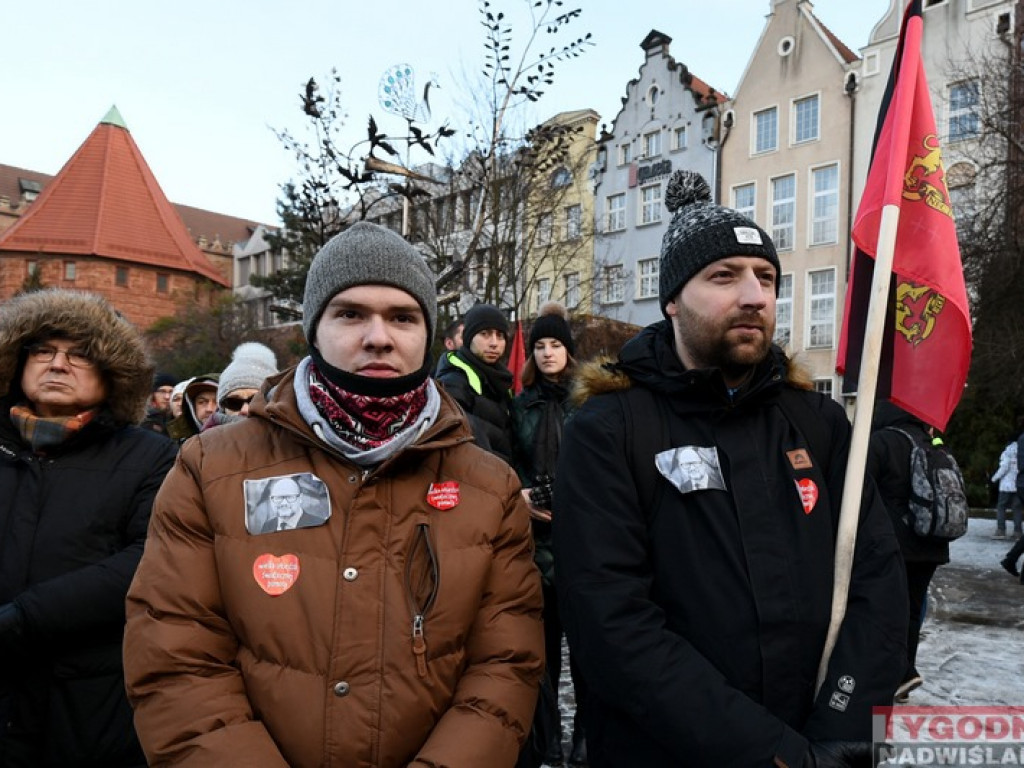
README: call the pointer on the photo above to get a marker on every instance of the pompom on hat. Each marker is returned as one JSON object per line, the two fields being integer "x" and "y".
{"x": 701, "y": 233}
{"x": 552, "y": 323}
{"x": 250, "y": 364}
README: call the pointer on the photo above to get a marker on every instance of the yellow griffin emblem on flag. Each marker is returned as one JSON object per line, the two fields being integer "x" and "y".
{"x": 917, "y": 309}
{"x": 925, "y": 178}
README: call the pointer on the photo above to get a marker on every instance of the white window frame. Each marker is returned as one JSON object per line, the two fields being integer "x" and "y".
{"x": 784, "y": 312}
{"x": 648, "y": 274}
{"x": 821, "y": 311}
{"x": 750, "y": 211}
{"x": 780, "y": 227}
{"x": 755, "y": 131}
{"x": 543, "y": 291}
{"x": 545, "y": 228}
{"x": 613, "y": 290}
{"x": 70, "y": 270}
{"x": 652, "y": 143}
{"x": 815, "y": 133}
{"x": 650, "y": 209}
{"x": 826, "y": 385}
{"x": 965, "y": 116}
{"x": 572, "y": 289}
{"x": 624, "y": 154}
{"x": 824, "y": 227}
{"x": 573, "y": 221}
{"x": 680, "y": 137}
{"x": 615, "y": 212}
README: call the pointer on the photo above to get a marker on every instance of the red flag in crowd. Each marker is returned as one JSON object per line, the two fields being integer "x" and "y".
{"x": 926, "y": 350}
{"x": 517, "y": 358}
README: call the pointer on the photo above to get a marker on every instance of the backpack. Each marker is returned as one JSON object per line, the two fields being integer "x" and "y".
{"x": 938, "y": 501}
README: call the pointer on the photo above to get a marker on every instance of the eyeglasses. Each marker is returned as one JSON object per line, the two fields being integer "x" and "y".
{"x": 236, "y": 403}
{"x": 279, "y": 500}
{"x": 45, "y": 353}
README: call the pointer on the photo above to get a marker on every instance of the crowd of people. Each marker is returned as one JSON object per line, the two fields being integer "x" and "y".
{"x": 372, "y": 559}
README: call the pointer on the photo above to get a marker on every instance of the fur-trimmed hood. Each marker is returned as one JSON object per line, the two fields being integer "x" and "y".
{"x": 108, "y": 338}
{"x": 650, "y": 358}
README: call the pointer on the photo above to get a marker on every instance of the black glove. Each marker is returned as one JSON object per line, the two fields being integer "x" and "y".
{"x": 540, "y": 493}
{"x": 12, "y": 632}
{"x": 839, "y": 754}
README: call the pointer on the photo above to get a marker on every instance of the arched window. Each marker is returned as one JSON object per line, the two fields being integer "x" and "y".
{"x": 561, "y": 178}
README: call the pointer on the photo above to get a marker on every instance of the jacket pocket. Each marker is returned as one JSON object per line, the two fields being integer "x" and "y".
{"x": 422, "y": 582}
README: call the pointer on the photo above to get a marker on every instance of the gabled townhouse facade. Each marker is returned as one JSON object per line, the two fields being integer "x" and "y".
{"x": 558, "y": 246}
{"x": 786, "y": 155}
{"x": 668, "y": 121}
{"x": 961, "y": 38}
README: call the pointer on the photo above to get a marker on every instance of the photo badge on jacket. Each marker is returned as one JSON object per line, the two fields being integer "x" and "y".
{"x": 691, "y": 468}
{"x": 286, "y": 502}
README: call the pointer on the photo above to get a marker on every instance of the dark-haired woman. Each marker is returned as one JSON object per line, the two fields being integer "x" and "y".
{"x": 538, "y": 415}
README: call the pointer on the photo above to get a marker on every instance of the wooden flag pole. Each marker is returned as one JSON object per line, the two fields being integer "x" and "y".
{"x": 867, "y": 385}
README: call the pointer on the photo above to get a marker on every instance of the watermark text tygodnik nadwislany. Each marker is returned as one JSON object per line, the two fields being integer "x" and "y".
{"x": 948, "y": 736}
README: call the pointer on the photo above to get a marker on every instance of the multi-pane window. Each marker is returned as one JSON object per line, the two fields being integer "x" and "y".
{"x": 543, "y": 291}
{"x": 652, "y": 144}
{"x": 70, "y": 270}
{"x": 783, "y": 211}
{"x": 806, "y": 121}
{"x": 572, "y": 289}
{"x": 573, "y": 222}
{"x": 963, "y": 111}
{"x": 679, "y": 137}
{"x": 615, "y": 207}
{"x": 544, "y": 229}
{"x": 824, "y": 386}
{"x": 821, "y": 296}
{"x": 766, "y": 130}
{"x": 625, "y": 154}
{"x": 613, "y": 289}
{"x": 784, "y": 312}
{"x": 744, "y": 199}
{"x": 825, "y": 214}
{"x": 650, "y": 204}
{"x": 647, "y": 271}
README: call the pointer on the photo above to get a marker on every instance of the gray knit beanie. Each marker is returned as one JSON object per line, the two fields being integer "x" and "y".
{"x": 701, "y": 233}
{"x": 367, "y": 254}
{"x": 250, "y": 364}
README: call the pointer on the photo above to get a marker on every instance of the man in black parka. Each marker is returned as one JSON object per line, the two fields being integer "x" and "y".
{"x": 77, "y": 481}
{"x": 698, "y": 615}
{"x": 475, "y": 376}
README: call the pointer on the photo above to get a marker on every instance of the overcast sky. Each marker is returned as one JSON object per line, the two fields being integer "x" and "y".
{"x": 201, "y": 84}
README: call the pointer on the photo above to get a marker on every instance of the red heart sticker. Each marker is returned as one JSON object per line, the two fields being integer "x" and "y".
{"x": 443, "y": 495}
{"x": 808, "y": 494}
{"x": 276, "y": 575}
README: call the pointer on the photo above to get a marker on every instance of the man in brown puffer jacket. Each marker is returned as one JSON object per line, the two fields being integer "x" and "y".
{"x": 399, "y": 622}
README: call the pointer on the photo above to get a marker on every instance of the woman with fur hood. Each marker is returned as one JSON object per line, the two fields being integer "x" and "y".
{"x": 77, "y": 480}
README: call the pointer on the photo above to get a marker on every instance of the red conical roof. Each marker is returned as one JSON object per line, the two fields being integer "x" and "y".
{"x": 106, "y": 202}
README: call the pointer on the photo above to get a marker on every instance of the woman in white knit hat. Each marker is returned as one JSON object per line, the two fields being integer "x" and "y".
{"x": 250, "y": 364}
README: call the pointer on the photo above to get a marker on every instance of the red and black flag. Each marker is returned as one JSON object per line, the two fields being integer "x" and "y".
{"x": 926, "y": 347}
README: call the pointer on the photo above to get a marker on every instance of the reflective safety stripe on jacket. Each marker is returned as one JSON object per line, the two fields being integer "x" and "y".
{"x": 473, "y": 376}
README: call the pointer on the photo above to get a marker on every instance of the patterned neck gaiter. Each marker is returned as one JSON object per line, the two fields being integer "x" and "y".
{"x": 365, "y": 421}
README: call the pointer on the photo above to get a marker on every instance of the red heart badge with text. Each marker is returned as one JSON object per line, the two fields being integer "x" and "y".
{"x": 808, "y": 494}
{"x": 443, "y": 495}
{"x": 276, "y": 575}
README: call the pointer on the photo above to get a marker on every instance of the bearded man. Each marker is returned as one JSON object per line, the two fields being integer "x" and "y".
{"x": 697, "y": 612}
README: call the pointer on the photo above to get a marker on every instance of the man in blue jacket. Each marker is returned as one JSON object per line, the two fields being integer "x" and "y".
{"x": 698, "y": 613}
